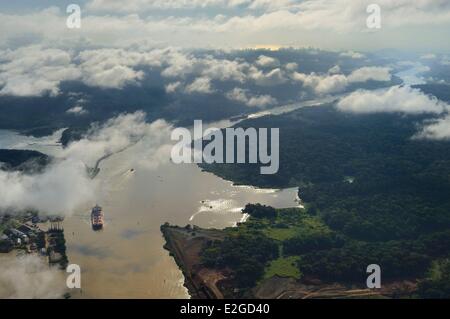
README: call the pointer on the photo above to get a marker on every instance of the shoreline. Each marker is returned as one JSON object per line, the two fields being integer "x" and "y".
{"x": 184, "y": 245}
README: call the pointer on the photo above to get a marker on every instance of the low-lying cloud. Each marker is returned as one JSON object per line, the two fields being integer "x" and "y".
{"x": 396, "y": 99}
{"x": 364, "y": 74}
{"x": 60, "y": 189}
{"x": 29, "y": 277}
{"x": 333, "y": 82}
{"x": 65, "y": 185}
{"x": 438, "y": 129}
{"x": 32, "y": 71}
{"x": 404, "y": 100}
{"x": 233, "y": 23}
{"x": 243, "y": 96}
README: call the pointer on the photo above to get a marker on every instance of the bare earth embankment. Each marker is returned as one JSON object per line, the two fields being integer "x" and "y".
{"x": 186, "y": 244}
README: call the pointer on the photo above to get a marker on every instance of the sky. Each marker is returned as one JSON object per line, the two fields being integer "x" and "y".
{"x": 418, "y": 25}
{"x": 132, "y": 49}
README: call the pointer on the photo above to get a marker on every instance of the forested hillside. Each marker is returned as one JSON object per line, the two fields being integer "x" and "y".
{"x": 383, "y": 194}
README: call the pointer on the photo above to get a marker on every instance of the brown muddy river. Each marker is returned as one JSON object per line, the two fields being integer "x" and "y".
{"x": 126, "y": 259}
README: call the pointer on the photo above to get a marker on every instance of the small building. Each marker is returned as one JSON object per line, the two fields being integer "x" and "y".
{"x": 27, "y": 230}
{"x": 15, "y": 233}
{"x": 6, "y": 245}
{"x": 55, "y": 258}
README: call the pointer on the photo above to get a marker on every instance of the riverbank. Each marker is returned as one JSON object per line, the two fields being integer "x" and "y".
{"x": 253, "y": 261}
{"x": 25, "y": 233}
{"x": 185, "y": 245}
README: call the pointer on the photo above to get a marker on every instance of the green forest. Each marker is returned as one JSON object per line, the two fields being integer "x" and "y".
{"x": 375, "y": 193}
{"x": 23, "y": 160}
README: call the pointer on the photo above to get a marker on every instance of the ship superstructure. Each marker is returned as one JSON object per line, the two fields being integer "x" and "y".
{"x": 97, "y": 218}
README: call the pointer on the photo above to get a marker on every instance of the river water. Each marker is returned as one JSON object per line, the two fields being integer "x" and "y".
{"x": 126, "y": 259}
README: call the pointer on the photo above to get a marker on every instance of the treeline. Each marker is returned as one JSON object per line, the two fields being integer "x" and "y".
{"x": 23, "y": 160}
{"x": 260, "y": 211}
{"x": 383, "y": 193}
{"x": 437, "y": 283}
{"x": 398, "y": 259}
{"x": 245, "y": 254}
{"x": 312, "y": 242}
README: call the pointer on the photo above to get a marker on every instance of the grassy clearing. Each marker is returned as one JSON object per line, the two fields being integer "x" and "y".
{"x": 283, "y": 267}
{"x": 290, "y": 223}
{"x": 293, "y": 222}
{"x": 281, "y": 233}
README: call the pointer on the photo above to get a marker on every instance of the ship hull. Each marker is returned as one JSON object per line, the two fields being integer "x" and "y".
{"x": 97, "y": 218}
{"x": 97, "y": 227}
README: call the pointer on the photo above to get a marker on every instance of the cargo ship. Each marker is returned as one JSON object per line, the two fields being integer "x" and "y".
{"x": 97, "y": 218}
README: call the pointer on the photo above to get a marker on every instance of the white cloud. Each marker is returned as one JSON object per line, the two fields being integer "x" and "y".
{"x": 34, "y": 70}
{"x": 64, "y": 186}
{"x": 335, "y": 70}
{"x": 147, "y": 5}
{"x": 267, "y": 62}
{"x": 77, "y": 110}
{"x": 330, "y": 84}
{"x": 200, "y": 85}
{"x": 272, "y": 22}
{"x": 309, "y": 14}
{"x": 350, "y": 15}
{"x": 144, "y": 5}
{"x": 109, "y": 138}
{"x": 222, "y": 69}
{"x": 60, "y": 189}
{"x": 428, "y": 56}
{"x": 292, "y": 66}
{"x": 119, "y": 134}
{"x": 179, "y": 64}
{"x": 270, "y": 5}
{"x": 323, "y": 84}
{"x": 31, "y": 71}
{"x": 114, "y": 68}
{"x": 270, "y": 78}
{"x": 436, "y": 129}
{"x": 116, "y": 77}
{"x": 401, "y": 99}
{"x": 30, "y": 277}
{"x": 173, "y": 87}
{"x": 382, "y": 74}
{"x": 243, "y": 96}
{"x": 333, "y": 83}
{"x": 353, "y": 55}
